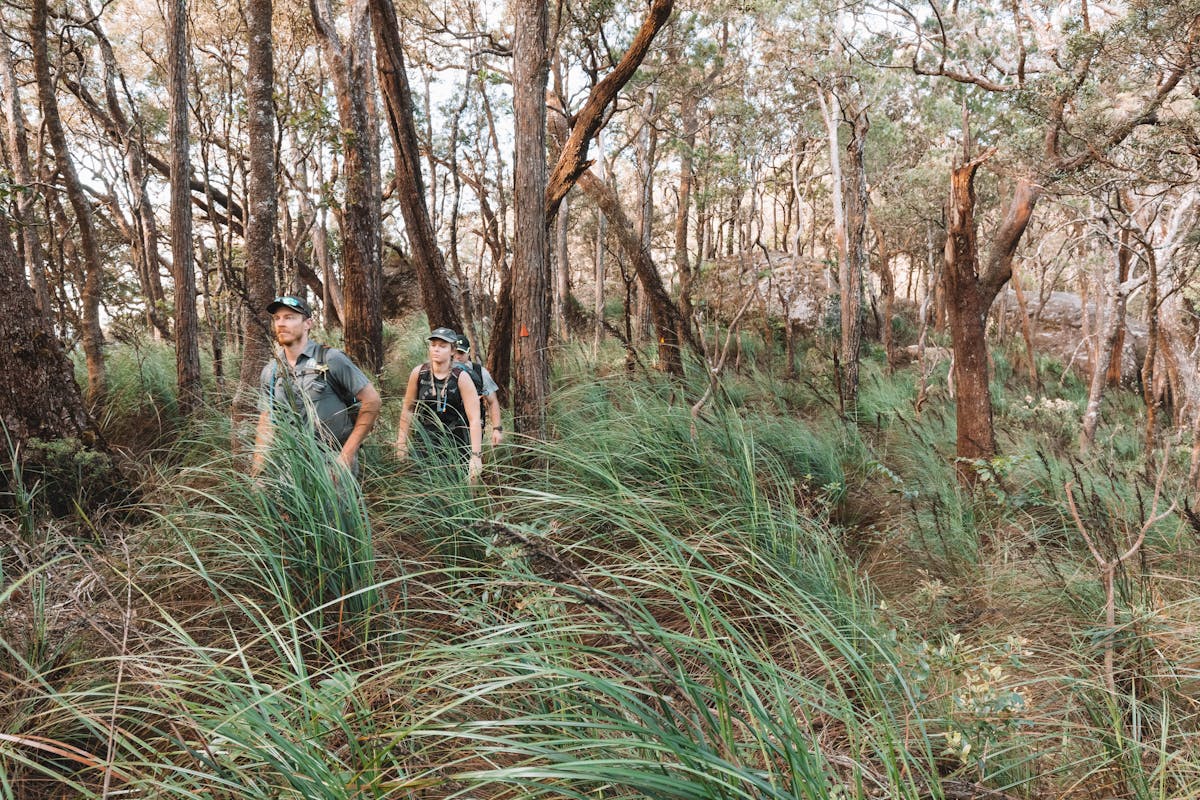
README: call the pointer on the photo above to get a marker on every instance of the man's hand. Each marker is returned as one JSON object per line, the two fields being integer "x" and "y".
{"x": 474, "y": 469}
{"x": 497, "y": 436}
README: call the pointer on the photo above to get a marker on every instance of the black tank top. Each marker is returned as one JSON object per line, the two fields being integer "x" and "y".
{"x": 439, "y": 404}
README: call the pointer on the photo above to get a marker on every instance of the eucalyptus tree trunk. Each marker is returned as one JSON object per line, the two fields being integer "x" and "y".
{"x": 689, "y": 121}
{"x": 562, "y": 270}
{"x": 427, "y": 258}
{"x": 129, "y": 133}
{"x": 1113, "y": 322}
{"x": 1178, "y": 345}
{"x": 1124, "y": 264}
{"x": 572, "y": 160}
{"x": 887, "y": 288}
{"x": 646, "y": 154}
{"x": 466, "y": 300}
{"x": 664, "y": 314}
{"x": 601, "y": 234}
{"x": 499, "y": 358}
{"x": 18, "y": 156}
{"x": 92, "y": 288}
{"x": 187, "y": 325}
{"x": 531, "y": 269}
{"x": 359, "y": 217}
{"x": 38, "y": 394}
{"x": 969, "y": 292}
{"x": 854, "y": 257}
{"x": 1149, "y": 391}
{"x": 1060, "y": 157}
{"x": 313, "y": 220}
{"x": 967, "y": 311}
{"x": 261, "y": 205}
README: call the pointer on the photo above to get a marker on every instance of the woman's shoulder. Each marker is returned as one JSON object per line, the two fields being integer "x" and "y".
{"x": 460, "y": 371}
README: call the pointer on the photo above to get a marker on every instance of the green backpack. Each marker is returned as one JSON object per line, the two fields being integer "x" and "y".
{"x": 348, "y": 400}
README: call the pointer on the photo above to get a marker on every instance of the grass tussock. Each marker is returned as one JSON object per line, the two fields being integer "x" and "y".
{"x": 766, "y": 601}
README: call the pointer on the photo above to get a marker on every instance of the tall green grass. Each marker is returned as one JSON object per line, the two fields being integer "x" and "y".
{"x": 645, "y": 606}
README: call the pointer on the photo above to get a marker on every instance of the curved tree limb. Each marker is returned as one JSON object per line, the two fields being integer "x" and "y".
{"x": 573, "y": 161}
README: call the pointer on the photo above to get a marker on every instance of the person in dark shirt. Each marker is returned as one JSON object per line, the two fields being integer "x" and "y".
{"x": 489, "y": 391}
{"x": 441, "y": 395}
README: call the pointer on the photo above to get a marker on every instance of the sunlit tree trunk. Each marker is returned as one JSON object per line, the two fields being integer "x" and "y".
{"x": 260, "y": 203}
{"x": 187, "y": 325}
{"x": 969, "y": 293}
{"x": 853, "y": 263}
{"x": 689, "y": 122}
{"x": 359, "y": 216}
{"x": 91, "y": 291}
{"x": 427, "y": 258}
{"x": 562, "y": 270}
{"x": 598, "y": 278}
{"x": 18, "y": 155}
{"x": 664, "y": 314}
{"x": 967, "y": 312}
{"x": 531, "y": 273}
{"x": 1113, "y": 322}
{"x": 572, "y": 159}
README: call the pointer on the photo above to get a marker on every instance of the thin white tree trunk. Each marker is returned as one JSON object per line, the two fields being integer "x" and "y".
{"x": 1112, "y": 320}
{"x": 601, "y": 233}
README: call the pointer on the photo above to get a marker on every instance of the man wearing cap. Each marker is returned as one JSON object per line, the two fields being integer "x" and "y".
{"x": 441, "y": 396}
{"x": 485, "y": 384}
{"x": 317, "y": 383}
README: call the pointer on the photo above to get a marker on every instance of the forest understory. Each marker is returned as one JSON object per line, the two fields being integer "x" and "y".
{"x": 850, "y": 354}
{"x": 766, "y": 600}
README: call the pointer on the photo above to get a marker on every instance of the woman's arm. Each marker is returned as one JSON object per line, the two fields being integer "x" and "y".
{"x": 470, "y": 399}
{"x": 406, "y": 413}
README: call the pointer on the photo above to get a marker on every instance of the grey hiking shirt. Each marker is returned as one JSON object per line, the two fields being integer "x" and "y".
{"x": 305, "y": 389}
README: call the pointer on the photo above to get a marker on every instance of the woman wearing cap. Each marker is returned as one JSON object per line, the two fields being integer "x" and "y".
{"x": 443, "y": 398}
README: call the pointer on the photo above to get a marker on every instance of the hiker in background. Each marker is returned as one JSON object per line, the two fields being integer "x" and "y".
{"x": 320, "y": 385}
{"x": 441, "y": 395}
{"x": 485, "y": 385}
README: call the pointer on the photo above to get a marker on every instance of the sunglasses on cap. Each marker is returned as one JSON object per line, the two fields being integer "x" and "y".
{"x": 294, "y": 303}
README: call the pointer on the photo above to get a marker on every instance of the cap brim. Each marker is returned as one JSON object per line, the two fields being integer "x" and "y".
{"x": 271, "y": 309}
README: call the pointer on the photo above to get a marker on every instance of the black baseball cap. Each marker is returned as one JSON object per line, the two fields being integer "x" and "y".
{"x": 444, "y": 334}
{"x": 288, "y": 301}
{"x": 462, "y": 344}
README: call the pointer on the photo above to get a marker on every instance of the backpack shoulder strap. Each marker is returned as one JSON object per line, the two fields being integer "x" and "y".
{"x": 323, "y": 367}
